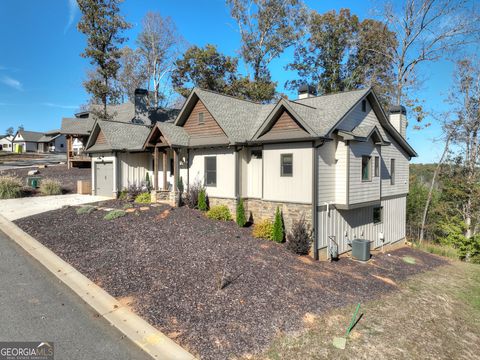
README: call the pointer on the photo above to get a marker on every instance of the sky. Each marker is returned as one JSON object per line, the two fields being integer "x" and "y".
{"x": 41, "y": 70}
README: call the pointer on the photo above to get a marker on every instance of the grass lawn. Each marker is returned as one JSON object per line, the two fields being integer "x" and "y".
{"x": 434, "y": 315}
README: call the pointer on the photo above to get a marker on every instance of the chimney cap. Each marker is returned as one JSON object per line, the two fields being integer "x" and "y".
{"x": 398, "y": 109}
{"x": 141, "y": 92}
{"x": 305, "y": 88}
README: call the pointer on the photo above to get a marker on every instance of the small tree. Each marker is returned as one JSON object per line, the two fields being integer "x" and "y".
{"x": 278, "y": 234}
{"x": 241, "y": 219}
{"x": 147, "y": 182}
{"x": 299, "y": 238}
{"x": 202, "y": 200}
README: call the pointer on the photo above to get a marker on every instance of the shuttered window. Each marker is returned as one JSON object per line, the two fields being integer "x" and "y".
{"x": 201, "y": 119}
{"x": 286, "y": 165}
{"x": 210, "y": 171}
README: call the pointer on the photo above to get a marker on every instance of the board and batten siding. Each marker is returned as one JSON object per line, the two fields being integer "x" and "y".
{"x": 341, "y": 173}
{"x": 363, "y": 191}
{"x": 251, "y": 174}
{"x": 326, "y": 172}
{"x": 347, "y": 225}
{"x": 402, "y": 160}
{"x": 225, "y": 187}
{"x": 296, "y": 188}
{"x": 133, "y": 169}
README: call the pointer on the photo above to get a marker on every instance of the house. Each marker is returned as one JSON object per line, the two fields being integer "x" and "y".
{"x": 338, "y": 160}
{"x": 32, "y": 141}
{"x": 6, "y": 142}
{"x": 76, "y": 131}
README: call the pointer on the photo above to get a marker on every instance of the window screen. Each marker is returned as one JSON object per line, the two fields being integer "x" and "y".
{"x": 286, "y": 164}
{"x": 211, "y": 171}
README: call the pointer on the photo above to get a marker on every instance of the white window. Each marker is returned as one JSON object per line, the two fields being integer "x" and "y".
{"x": 286, "y": 165}
{"x": 210, "y": 171}
{"x": 201, "y": 118}
{"x": 366, "y": 168}
{"x": 377, "y": 167}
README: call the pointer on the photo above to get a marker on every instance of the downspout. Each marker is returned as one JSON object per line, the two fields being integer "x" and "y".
{"x": 237, "y": 174}
{"x": 314, "y": 200}
{"x": 188, "y": 170}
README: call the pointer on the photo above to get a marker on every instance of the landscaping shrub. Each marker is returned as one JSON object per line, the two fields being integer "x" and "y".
{"x": 133, "y": 191}
{"x": 127, "y": 206}
{"x": 202, "y": 200}
{"x": 241, "y": 219}
{"x": 219, "y": 212}
{"x": 263, "y": 229}
{"x": 114, "y": 214}
{"x": 87, "y": 209}
{"x": 148, "y": 184}
{"x": 299, "y": 238}
{"x": 50, "y": 187}
{"x": 191, "y": 198}
{"x": 10, "y": 187}
{"x": 143, "y": 198}
{"x": 123, "y": 195}
{"x": 277, "y": 232}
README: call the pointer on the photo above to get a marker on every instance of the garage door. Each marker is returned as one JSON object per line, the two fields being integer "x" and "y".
{"x": 104, "y": 179}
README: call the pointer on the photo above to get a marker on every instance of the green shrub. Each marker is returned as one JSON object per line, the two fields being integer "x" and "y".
{"x": 127, "y": 206}
{"x": 147, "y": 181}
{"x": 87, "y": 209}
{"x": 114, "y": 214}
{"x": 263, "y": 229}
{"x": 10, "y": 187}
{"x": 277, "y": 232}
{"x": 299, "y": 238}
{"x": 241, "y": 219}
{"x": 219, "y": 212}
{"x": 123, "y": 195}
{"x": 202, "y": 200}
{"x": 143, "y": 198}
{"x": 50, "y": 187}
{"x": 191, "y": 197}
{"x": 437, "y": 249}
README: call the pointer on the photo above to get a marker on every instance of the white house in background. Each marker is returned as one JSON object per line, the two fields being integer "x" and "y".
{"x": 338, "y": 160}
{"x": 32, "y": 141}
{"x": 6, "y": 143}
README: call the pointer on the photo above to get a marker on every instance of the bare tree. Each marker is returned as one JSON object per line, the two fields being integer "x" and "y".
{"x": 427, "y": 30}
{"x": 132, "y": 73}
{"x": 159, "y": 45}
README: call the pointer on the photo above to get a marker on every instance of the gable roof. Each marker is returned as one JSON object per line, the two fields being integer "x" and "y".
{"x": 30, "y": 136}
{"x": 77, "y": 126}
{"x": 119, "y": 136}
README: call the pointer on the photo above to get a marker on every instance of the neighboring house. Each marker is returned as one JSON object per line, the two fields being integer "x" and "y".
{"x": 32, "y": 141}
{"x": 6, "y": 142}
{"x": 337, "y": 160}
{"x": 77, "y": 130}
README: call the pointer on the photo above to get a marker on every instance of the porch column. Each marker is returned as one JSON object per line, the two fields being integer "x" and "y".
{"x": 165, "y": 186}
{"x": 155, "y": 168}
{"x": 175, "y": 169}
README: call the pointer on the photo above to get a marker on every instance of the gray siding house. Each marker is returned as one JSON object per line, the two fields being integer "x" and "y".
{"x": 338, "y": 160}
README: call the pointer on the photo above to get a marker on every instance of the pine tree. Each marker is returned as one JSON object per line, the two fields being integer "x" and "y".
{"x": 277, "y": 233}
{"x": 202, "y": 200}
{"x": 241, "y": 220}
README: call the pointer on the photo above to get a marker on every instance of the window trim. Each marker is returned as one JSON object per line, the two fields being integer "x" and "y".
{"x": 376, "y": 167}
{"x": 207, "y": 171}
{"x": 201, "y": 118}
{"x": 369, "y": 167}
{"x": 392, "y": 171}
{"x": 381, "y": 215}
{"x": 364, "y": 105}
{"x": 283, "y": 156}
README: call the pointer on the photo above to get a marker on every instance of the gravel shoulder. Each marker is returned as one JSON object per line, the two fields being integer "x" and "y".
{"x": 168, "y": 264}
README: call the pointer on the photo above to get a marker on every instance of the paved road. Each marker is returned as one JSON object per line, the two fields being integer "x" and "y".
{"x": 49, "y": 159}
{"x": 34, "y": 306}
{"x": 14, "y": 209}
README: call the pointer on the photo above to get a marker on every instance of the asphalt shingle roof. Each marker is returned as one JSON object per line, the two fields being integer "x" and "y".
{"x": 30, "y": 136}
{"x": 122, "y": 136}
{"x": 77, "y": 126}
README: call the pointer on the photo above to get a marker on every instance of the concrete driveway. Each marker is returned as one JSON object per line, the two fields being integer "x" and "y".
{"x": 14, "y": 209}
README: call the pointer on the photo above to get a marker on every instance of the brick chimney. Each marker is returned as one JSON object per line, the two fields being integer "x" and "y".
{"x": 398, "y": 118}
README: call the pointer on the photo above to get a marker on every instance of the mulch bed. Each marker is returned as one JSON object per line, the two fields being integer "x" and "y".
{"x": 169, "y": 264}
{"x": 67, "y": 177}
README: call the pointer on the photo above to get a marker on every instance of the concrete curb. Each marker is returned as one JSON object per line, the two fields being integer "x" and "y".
{"x": 152, "y": 341}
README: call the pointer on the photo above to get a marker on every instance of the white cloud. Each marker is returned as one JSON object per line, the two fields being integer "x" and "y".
{"x": 72, "y": 11}
{"x": 13, "y": 83}
{"x": 60, "y": 106}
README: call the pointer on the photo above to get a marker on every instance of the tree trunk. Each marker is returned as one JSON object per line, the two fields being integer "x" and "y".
{"x": 430, "y": 191}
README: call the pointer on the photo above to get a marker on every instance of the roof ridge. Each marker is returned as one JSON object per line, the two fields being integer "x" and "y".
{"x": 229, "y": 96}
{"x": 297, "y": 103}
{"x": 335, "y": 93}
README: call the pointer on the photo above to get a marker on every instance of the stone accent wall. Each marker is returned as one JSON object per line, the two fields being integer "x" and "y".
{"x": 168, "y": 197}
{"x": 231, "y": 203}
{"x": 262, "y": 209}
